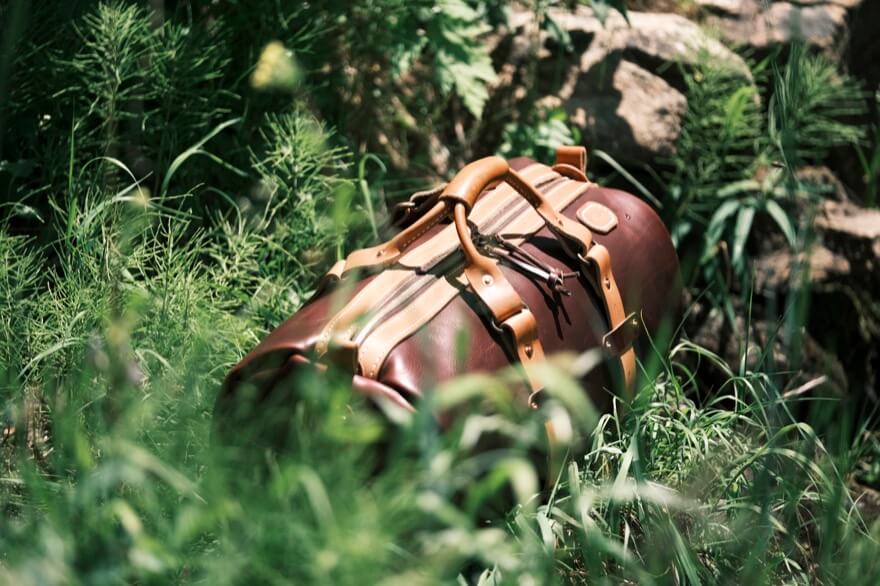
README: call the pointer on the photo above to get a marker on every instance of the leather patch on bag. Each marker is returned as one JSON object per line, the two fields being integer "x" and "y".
{"x": 597, "y": 217}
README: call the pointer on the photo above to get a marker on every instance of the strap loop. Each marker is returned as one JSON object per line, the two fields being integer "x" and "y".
{"x": 573, "y": 156}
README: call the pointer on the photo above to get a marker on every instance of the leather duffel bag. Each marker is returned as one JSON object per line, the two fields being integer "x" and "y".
{"x": 518, "y": 260}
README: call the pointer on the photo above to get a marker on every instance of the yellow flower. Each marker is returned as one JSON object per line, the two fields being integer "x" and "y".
{"x": 276, "y": 69}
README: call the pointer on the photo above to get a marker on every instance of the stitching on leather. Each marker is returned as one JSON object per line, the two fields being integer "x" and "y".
{"x": 383, "y": 349}
{"x": 514, "y": 209}
{"x": 331, "y": 325}
{"x": 328, "y": 330}
{"x": 421, "y": 232}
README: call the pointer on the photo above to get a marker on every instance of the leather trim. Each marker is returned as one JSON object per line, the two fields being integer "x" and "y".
{"x": 571, "y": 172}
{"x": 575, "y": 156}
{"x": 343, "y": 325}
{"x": 375, "y": 348}
{"x": 406, "y": 212}
{"x": 597, "y": 217}
{"x": 469, "y": 183}
{"x": 599, "y": 260}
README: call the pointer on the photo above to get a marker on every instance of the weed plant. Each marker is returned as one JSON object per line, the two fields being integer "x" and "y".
{"x": 159, "y": 217}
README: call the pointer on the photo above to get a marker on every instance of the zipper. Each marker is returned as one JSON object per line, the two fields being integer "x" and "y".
{"x": 421, "y": 280}
{"x": 510, "y": 211}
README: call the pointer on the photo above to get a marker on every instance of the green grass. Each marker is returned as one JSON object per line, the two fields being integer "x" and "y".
{"x": 145, "y": 246}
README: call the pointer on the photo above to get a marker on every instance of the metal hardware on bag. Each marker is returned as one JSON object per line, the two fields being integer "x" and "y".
{"x": 621, "y": 338}
{"x": 497, "y": 246}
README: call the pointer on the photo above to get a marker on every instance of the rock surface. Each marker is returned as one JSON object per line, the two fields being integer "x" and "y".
{"x": 635, "y": 115}
{"x": 621, "y": 84}
{"x": 843, "y": 275}
{"x": 822, "y": 24}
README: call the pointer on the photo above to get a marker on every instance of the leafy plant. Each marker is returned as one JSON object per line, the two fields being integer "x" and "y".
{"x": 726, "y": 171}
{"x": 461, "y": 59}
{"x": 742, "y": 201}
{"x": 602, "y": 8}
{"x": 538, "y": 136}
{"x": 160, "y": 216}
{"x": 809, "y": 108}
{"x": 719, "y": 145}
{"x": 869, "y": 158}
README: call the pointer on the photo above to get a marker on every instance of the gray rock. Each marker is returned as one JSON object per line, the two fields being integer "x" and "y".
{"x": 847, "y": 251}
{"x": 853, "y": 232}
{"x": 842, "y": 273}
{"x": 623, "y": 88}
{"x": 760, "y": 25}
{"x": 656, "y": 41}
{"x": 635, "y": 114}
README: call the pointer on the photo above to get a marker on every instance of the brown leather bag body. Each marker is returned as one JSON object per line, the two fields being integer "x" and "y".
{"x": 518, "y": 260}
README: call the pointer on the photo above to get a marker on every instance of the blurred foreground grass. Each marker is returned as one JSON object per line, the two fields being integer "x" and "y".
{"x": 159, "y": 217}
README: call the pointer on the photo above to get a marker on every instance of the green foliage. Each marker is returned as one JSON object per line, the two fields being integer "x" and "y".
{"x": 129, "y": 83}
{"x": 869, "y": 158}
{"x": 19, "y": 273}
{"x": 735, "y": 161}
{"x": 809, "y": 109}
{"x": 161, "y": 214}
{"x": 602, "y": 8}
{"x": 719, "y": 145}
{"x": 538, "y": 137}
{"x": 461, "y": 59}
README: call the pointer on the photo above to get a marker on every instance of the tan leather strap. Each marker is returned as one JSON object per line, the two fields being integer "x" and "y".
{"x": 576, "y": 239}
{"x": 483, "y": 171}
{"x": 591, "y": 254}
{"x": 343, "y": 325}
{"x": 599, "y": 261}
{"x": 509, "y": 313}
{"x": 571, "y": 161}
{"x": 374, "y": 349}
{"x": 578, "y": 242}
{"x": 406, "y": 212}
{"x": 389, "y": 252}
{"x": 482, "y": 273}
{"x": 574, "y": 156}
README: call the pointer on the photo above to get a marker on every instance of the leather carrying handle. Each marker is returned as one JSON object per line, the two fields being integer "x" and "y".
{"x": 469, "y": 183}
{"x": 465, "y": 188}
{"x": 488, "y": 281}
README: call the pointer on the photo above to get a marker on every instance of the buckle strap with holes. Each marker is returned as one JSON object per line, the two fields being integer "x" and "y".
{"x": 624, "y": 328}
{"x": 509, "y": 315}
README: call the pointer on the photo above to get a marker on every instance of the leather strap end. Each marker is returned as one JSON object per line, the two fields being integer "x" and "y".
{"x": 622, "y": 336}
{"x": 342, "y": 354}
{"x": 574, "y": 156}
{"x": 330, "y": 278}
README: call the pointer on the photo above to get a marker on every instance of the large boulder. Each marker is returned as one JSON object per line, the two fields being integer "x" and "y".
{"x": 842, "y": 272}
{"x": 626, "y": 110}
{"x": 822, "y": 24}
{"x": 621, "y": 82}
